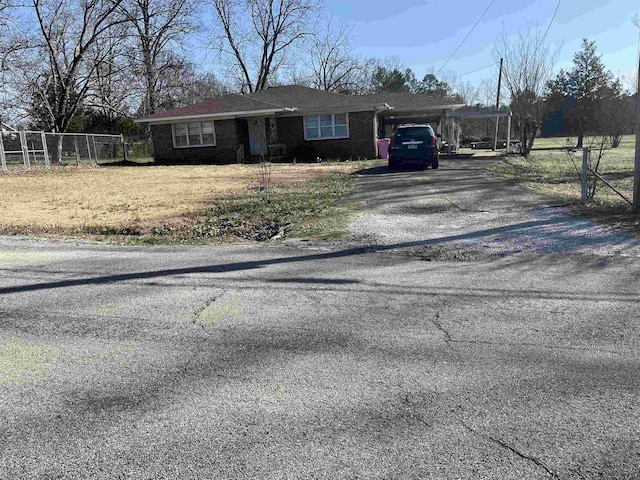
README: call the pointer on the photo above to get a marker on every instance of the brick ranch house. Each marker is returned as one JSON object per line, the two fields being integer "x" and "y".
{"x": 288, "y": 121}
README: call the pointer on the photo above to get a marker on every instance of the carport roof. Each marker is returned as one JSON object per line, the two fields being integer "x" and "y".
{"x": 483, "y": 113}
{"x": 413, "y": 102}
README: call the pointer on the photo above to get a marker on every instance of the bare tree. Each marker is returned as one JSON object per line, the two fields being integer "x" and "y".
{"x": 160, "y": 25}
{"x": 196, "y": 87}
{"x": 257, "y": 35}
{"x": 332, "y": 65}
{"x": 203, "y": 86}
{"x": 528, "y": 66}
{"x": 614, "y": 114}
{"x": 67, "y": 42}
{"x": 486, "y": 92}
{"x": 4, "y": 8}
{"x": 5, "y": 50}
{"x": 52, "y": 66}
{"x": 112, "y": 92}
{"x": 467, "y": 92}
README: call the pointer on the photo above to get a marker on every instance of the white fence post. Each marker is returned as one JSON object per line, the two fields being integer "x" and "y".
{"x": 45, "y": 151}
{"x": 124, "y": 149}
{"x": 95, "y": 150}
{"x": 86, "y": 137}
{"x": 25, "y": 149}
{"x": 75, "y": 143}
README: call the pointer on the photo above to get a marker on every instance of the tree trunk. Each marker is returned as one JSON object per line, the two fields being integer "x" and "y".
{"x": 528, "y": 133}
{"x": 580, "y": 140}
{"x": 152, "y": 80}
{"x": 615, "y": 140}
{"x": 56, "y": 154}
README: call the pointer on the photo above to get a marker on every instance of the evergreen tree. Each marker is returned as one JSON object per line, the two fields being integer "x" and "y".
{"x": 577, "y": 95}
{"x": 390, "y": 80}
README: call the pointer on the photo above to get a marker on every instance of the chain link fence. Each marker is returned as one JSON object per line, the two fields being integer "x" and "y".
{"x": 35, "y": 148}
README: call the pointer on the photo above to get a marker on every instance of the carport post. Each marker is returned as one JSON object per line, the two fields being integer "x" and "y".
{"x": 3, "y": 158}
{"x": 449, "y": 137}
{"x": 456, "y": 132}
{"x": 585, "y": 170}
{"x": 508, "y": 132}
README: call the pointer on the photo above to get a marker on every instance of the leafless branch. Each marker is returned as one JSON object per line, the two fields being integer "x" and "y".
{"x": 528, "y": 65}
{"x": 258, "y": 34}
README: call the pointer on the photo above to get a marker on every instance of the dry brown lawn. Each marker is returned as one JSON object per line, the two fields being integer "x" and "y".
{"x": 77, "y": 198}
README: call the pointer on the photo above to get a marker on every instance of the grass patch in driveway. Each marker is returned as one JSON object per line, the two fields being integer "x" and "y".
{"x": 184, "y": 204}
{"x": 14, "y": 257}
{"x": 217, "y": 310}
{"x": 22, "y": 362}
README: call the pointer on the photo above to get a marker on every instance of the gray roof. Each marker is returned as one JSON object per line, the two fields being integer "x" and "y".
{"x": 412, "y": 101}
{"x": 228, "y": 104}
{"x": 298, "y": 100}
{"x": 308, "y": 100}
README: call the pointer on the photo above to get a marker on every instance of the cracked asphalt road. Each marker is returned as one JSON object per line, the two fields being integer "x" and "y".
{"x": 467, "y": 330}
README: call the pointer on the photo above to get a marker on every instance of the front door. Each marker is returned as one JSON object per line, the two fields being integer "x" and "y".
{"x": 257, "y": 136}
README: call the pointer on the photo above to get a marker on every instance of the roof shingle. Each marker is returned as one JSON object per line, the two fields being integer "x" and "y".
{"x": 410, "y": 101}
{"x": 300, "y": 100}
{"x": 224, "y": 104}
{"x": 305, "y": 99}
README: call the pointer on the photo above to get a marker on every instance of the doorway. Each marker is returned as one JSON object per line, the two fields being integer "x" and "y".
{"x": 257, "y": 136}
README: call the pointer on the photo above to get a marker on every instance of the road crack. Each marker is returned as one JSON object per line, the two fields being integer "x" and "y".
{"x": 512, "y": 449}
{"x": 438, "y": 324}
{"x": 463, "y": 209}
{"x": 194, "y": 320}
{"x": 537, "y": 345}
{"x": 447, "y": 336}
{"x": 198, "y": 311}
{"x": 411, "y": 410}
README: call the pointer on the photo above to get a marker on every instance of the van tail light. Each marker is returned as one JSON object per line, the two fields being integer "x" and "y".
{"x": 392, "y": 143}
{"x": 433, "y": 141}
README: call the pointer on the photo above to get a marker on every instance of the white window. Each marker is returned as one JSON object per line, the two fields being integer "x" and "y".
{"x": 320, "y": 127}
{"x": 193, "y": 134}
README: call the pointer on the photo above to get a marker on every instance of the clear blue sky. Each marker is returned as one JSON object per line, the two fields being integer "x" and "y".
{"x": 424, "y": 33}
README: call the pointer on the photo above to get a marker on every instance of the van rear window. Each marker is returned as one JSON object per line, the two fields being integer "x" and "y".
{"x": 418, "y": 133}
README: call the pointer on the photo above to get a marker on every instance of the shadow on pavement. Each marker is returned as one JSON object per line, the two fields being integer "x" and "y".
{"x": 561, "y": 237}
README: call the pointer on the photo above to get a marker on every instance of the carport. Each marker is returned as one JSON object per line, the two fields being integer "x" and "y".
{"x": 405, "y": 107}
{"x": 497, "y": 114}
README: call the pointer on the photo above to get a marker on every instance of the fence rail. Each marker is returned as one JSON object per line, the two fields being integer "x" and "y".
{"x": 32, "y": 148}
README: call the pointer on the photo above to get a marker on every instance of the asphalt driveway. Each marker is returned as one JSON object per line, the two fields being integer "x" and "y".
{"x": 467, "y": 330}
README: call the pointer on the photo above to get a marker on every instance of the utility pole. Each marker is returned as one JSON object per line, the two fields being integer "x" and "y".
{"x": 636, "y": 169}
{"x": 495, "y": 140}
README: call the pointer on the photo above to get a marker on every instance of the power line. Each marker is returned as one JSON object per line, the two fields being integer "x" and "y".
{"x": 477, "y": 69}
{"x": 547, "y": 30}
{"x": 465, "y": 38}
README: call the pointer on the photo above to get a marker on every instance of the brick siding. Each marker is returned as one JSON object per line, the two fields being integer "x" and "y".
{"x": 231, "y": 133}
{"x": 228, "y": 133}
{"x": 360, "y": 144}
